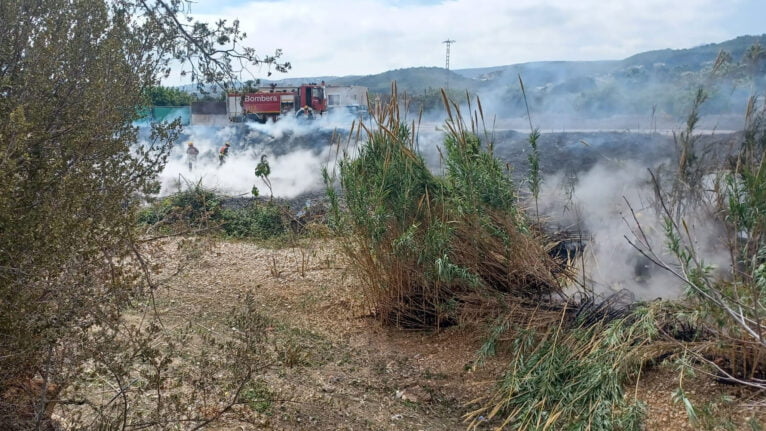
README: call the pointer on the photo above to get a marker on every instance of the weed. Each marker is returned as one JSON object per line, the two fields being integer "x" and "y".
{"x": 274, "y": 268}
{"x": 195, "y": 208}
{"x": 254, "y": 221}
{"x": 200, "y": 210}
{"x": 291, "y": 353}
{"x": 729, "y": 307}
{"x": 257, "y": 396}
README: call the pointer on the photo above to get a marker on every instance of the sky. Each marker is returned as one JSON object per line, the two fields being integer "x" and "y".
{"x": 363, "y": 37}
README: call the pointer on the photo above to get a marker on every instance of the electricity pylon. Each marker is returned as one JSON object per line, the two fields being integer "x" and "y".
{"x": 446, "y": 66}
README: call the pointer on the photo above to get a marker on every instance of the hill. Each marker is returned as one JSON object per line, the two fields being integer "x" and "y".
{"x": 693, "y": 59}
{"x": 553, "y": 73}
{"x": 659, "y": 81}
{"x": 411, "y": 80}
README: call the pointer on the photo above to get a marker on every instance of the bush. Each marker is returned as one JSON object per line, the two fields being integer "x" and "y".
{"x": 194, "y": 208}
{"x": 254, "y": 221}
{"x": 423, "y": 242}
{"x": 201, "y": 210}
{"x": 727, "y": 305}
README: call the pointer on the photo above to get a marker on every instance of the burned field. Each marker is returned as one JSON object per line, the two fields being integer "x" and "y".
{"x": 410, "y": 288}
{"x": 289, "y": 274}
{"x": 413, "y": 300}
{"x": 333, "y": 366}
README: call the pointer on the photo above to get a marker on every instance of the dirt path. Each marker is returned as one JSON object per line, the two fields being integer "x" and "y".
{"x": 338, "y": 369}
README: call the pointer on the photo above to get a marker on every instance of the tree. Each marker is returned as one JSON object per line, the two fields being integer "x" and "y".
{"x": 73, "y": 74}
{"x": 168, "y": 96}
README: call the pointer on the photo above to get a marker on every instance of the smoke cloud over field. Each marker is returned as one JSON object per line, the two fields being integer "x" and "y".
{"x": 593, "y": 204}
{"x": 295, "y": 150}
{"x": 588, "y": 176}
{"x": 651, "y": 91}
{"x": 606, "y": 205}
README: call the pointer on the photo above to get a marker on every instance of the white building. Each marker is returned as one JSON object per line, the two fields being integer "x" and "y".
{"x": 345, "y": 95}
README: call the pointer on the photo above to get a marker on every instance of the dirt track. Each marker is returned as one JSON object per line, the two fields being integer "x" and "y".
{"x": 340, "y": 370}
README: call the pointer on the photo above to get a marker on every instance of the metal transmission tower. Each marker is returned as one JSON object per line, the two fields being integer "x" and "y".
{"x": 449, "y": 42}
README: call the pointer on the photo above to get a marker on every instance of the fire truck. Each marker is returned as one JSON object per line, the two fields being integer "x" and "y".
{"x": 275, "y": 102}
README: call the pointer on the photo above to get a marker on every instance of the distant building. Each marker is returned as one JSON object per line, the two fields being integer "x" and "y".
{"x": 345, "y": 95}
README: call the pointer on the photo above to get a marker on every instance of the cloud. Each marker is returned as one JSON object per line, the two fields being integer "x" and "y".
{"x": 358, "y": 37}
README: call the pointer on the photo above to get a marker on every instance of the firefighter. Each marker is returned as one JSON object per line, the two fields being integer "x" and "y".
{"x": 223, "y": 153}
{"x": 191, "y": 155}
{"x": 305, "y": 113}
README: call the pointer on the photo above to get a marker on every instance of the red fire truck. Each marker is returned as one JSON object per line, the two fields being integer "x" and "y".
{"x": 274, "y": 102}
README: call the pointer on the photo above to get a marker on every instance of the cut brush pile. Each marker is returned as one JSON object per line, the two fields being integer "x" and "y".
{"x": 425, "y": 243}
{"x": 571, "y": 375}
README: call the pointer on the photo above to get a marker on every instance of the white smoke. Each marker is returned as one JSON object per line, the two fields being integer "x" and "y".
{"x": 607, "y": 204}
{"x": 296, "y": 126}
{"x": 592, "y": 201}
{"x": 293, "y": 170}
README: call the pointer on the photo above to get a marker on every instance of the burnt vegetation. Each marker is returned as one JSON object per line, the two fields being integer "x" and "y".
{"x": 432, "y": 250}
{"x": 83, "y": 341}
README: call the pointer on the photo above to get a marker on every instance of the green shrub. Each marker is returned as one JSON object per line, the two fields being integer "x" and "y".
{"x": 150, "y": 215}
{"x": 201, "y": 210}
{"x": 423, "y": 242}
{"x": 728, "y": 304}
{"x": 254, "y": 221}
{"x": 196, "y": 207}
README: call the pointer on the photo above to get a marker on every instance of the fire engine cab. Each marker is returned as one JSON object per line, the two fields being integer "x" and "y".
{"x": 275, "y": 102}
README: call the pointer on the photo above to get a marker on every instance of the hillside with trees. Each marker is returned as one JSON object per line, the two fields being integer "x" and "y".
{"x": 660, "y": 81}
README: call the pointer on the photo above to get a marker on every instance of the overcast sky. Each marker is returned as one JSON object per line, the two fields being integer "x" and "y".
{"x": 361, "y": 37}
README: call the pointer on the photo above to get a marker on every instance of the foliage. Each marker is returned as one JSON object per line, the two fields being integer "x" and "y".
{"x": 262, "y": 171}
{"x": 533, "y": 177}
{"x": 168, "y": 96}
{"x": 67, "y": 189}
{"x": 196, "y": 208}
{"x": 201, "y": 210}
{"x": 422, "y": 242}
{"x": 258, "y": 396}
{"x": 208, "y": 53}
{"x": 687, "y": 185}
{"x": 571, "y": 378}
{"x": 72, "y": 76}
{"x": 254, "y": 221}
{"x": 729, "y": 306}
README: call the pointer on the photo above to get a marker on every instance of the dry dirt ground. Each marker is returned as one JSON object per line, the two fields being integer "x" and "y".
{"x": 339, "y": 369}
